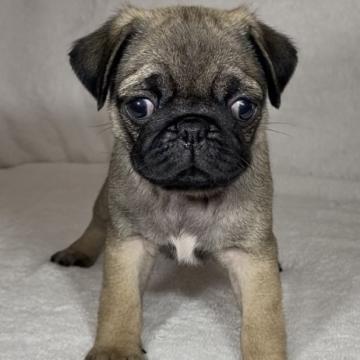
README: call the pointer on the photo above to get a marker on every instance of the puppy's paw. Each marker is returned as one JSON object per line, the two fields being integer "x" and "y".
{"x": 70, "y": 257}
{"x": 113, "y": 354}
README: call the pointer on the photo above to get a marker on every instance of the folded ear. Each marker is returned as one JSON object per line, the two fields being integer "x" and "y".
{"x": 277, "y": 56}
{"x": 94, "y": 56}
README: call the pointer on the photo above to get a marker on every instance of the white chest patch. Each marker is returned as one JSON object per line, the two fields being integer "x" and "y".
{"x": 185, "y": 245}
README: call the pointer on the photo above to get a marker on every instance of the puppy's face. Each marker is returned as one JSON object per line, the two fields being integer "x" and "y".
{"x": 187, "y": 87}
{"x": 190, "y": 125}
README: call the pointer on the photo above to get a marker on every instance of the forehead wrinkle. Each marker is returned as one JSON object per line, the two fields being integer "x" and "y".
{"x": 250, "y": 83}
{"x": 137, "y": 78}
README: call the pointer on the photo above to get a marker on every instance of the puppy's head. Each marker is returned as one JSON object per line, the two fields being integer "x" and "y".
{"x": 187, "y": 88}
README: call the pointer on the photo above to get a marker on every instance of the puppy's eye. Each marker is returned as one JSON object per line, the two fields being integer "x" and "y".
{"x": 243, "y": 109}
{"x": 140, "y": 108}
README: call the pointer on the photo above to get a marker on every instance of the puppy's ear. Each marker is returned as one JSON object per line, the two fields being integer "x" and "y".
{"x": 94, "y": 56}
{"x": 277, "y": 56}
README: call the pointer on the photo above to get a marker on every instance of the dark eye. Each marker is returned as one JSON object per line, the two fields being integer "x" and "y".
{"x": 243, "y": 109}
{"x": 140, "y": 108}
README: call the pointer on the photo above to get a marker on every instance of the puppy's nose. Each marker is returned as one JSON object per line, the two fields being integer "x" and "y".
{"x": 192, "y": 131}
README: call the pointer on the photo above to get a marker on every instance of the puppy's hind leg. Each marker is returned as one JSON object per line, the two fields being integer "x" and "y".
{"x": 84, "y": 251}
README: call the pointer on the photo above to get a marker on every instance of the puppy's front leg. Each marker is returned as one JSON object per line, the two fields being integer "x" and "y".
{"x": 256, "y": 283}
{"x": 127, "y": 266}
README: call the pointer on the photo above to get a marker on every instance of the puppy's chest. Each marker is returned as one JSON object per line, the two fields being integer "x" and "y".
{"x": 184, "y": 248}
{"x": 185, "y": 234}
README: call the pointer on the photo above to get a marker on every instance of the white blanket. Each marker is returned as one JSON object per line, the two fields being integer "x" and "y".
{"x": 49, "y": 312}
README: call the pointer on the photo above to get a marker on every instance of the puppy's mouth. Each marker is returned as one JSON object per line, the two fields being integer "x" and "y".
{"x": 191, "y": 156}
{"x": 192, "y": 172}
{"x": 191, "y": 178}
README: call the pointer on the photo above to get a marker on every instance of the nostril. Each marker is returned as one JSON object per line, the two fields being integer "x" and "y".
{"x": 185, "y": 136}
{"x": 172, "y": 129}
{"x": 213, "y": 129}
{"x": 202, "y": 134}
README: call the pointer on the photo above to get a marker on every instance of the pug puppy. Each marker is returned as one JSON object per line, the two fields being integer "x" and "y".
{"x": 189, "y": 175}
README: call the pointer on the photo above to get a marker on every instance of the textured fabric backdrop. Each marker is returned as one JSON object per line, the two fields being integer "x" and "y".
{"x": 45, "y": 114}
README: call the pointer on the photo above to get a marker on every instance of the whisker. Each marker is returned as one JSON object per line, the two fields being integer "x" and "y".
{"x": 101, "y": 125}
{"x": 280, "y": 123}
{"x": 277, "y": 132}
{"x": 104, "y": 130}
